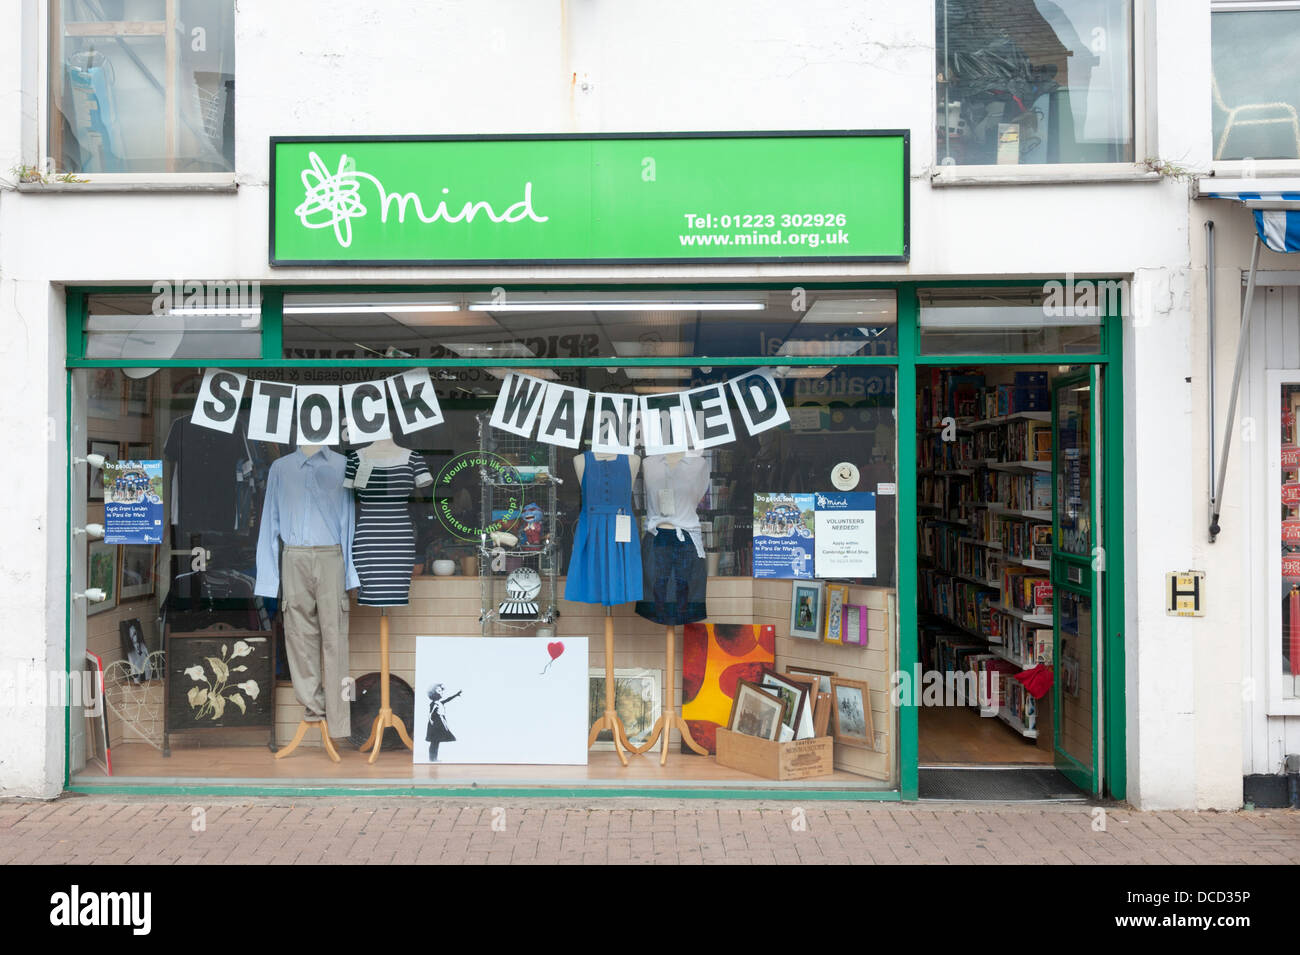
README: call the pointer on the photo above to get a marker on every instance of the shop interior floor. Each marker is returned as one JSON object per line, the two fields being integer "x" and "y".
{"x": 958, "y": 735}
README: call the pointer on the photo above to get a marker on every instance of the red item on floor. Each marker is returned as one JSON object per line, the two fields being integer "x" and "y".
{"x": 1037, "y": 680}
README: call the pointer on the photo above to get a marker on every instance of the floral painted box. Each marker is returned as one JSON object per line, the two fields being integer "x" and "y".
{"x": 219, "y": 678}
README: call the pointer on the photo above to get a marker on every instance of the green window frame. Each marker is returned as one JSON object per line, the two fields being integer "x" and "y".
{"x": 907, "y": 362}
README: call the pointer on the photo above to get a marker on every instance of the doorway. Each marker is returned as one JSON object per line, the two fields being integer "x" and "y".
{"x": 1008, "y": 580}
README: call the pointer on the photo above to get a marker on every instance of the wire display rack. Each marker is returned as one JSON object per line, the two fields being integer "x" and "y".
{"x": 516, "y": 472}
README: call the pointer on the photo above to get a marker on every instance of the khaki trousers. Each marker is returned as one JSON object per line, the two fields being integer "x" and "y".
{"x": 316, "y": 631}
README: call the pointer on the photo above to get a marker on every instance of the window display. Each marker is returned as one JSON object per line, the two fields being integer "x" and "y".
{"x": 336, "y": 517}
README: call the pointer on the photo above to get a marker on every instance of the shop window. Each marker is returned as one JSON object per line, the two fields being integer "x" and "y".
{"x": 1255, "y": 84}
{"x": 754, "y": 494}
{"x": 791, "y": 322}
{"x": 180, "y": 320}
{"x": 1060, "y": 317}
{"x": 1034, "y": 81}
{"x": 142, "y": 86}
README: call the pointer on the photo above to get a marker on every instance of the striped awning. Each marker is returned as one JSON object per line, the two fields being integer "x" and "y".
{"x": 1277, "y": 214}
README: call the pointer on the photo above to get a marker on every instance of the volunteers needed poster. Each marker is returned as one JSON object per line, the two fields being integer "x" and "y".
{"x": 802, "y": 536}
{"x": 133, "y": 502}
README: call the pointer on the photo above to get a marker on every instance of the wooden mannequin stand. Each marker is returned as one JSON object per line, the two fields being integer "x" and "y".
{"x": 609, "y": 719}
{"x": 668, "y": 719}
{"x": 302, "y": 732}
{"x": 386, "y": 717}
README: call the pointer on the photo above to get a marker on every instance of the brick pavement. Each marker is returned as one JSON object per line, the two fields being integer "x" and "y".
{"x": 83, "y": 830}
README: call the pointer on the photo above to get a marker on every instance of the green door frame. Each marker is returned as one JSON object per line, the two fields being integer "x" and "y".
{"x": 907, "y": 362}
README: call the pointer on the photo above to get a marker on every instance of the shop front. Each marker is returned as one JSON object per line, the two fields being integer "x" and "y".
{"x": 674, "y": 537}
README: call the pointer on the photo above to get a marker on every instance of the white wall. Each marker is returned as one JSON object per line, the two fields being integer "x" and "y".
{"x": 482, "y": 66}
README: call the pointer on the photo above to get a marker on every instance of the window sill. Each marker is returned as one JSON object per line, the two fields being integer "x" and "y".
{"x": 1258, "y": 168}
{"x": 1041, "y": 175}
{"x": 121, "y": 184}
{"x": 1276, "y": 180}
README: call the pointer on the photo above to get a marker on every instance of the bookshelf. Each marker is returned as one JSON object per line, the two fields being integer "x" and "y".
{"x": 984, "y": 533}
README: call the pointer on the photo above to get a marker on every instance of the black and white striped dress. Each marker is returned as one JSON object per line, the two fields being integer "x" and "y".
{"x": 383, "y": 547}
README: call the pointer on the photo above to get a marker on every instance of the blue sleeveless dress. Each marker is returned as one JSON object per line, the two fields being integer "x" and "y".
{"x": 602, "y": 571}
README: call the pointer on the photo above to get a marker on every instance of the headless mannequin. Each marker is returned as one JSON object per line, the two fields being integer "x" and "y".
{"x": 383, "y": 453}
{"x": 669, "y": 718}
{"x": 609, "y": 720}
{"x": 308, "y": 450}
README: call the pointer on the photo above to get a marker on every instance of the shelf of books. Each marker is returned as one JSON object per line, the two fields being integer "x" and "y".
{"x": 985, "y": 534}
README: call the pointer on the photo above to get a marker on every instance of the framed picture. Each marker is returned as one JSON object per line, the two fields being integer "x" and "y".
{"x": 135, "y": 650}
{"x": 638, "y": 697}
{"x": 139, "y": 571}
{"x": 756, "y": 712}
{"x": 824, "y": 677}
{"x": 101, "y": 572}
{"x": 851, "y": 718}
{"x": 104, "y": 393}
{"x": 139, "y": 451}
{"x": 855, "y": 625}
{"x": 137, "y": 396}
{"x": 806, "y": 609}
{"x": 798, "y": 704}
{"x": 836, "y": 596}
{"x": 95, "y": 476}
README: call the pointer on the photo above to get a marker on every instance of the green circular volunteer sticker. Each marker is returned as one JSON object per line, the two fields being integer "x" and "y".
{"x": 459, "y": 488}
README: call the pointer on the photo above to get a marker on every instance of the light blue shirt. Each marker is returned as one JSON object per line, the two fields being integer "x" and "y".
{"x": 306, "y": 506}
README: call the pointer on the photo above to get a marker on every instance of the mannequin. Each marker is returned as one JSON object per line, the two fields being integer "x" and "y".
{"x": 602, "y": 568}
{"x": 307, "y": 522}
{"x": 675, "y": 569}
{"x": 384, "y": 476}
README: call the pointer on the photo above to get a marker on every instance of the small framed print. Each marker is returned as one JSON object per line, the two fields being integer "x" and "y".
{"x": 798, "y": 708}
{"x": 137, "y": 575}
{"x": 757, "y": 712}
{"x": 855, "y": 625}
{"x": 101, "y": 572}
{"x": 137, "y": 396}
{"x": 103, "y": 393}
{"x": 95, "y": 476}
{"x": 806, "y": 609}
{"x": 851, "y": 716}
{"x": 837, "y": 595}
{"x": 824, "y": 677}
{"x": 139, "y": 451}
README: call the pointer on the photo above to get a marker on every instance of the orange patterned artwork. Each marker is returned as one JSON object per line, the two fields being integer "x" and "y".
{"x": 715, "y": 656}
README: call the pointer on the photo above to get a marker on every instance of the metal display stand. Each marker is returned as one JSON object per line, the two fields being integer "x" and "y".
{"x": 530, "y": 479}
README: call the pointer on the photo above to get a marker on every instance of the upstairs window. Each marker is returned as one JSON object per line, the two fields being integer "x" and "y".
{"x": 1034, "y": 81}
{"x": 142, "y": 86}
{"x": 1255, "y": 84}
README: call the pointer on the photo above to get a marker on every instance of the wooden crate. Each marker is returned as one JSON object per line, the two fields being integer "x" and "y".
{"x": 798, "y": 759}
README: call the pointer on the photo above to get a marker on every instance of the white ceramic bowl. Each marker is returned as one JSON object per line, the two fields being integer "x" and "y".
{"x": 444, "y": 568}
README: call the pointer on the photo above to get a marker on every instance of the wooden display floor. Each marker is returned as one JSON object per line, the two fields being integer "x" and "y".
{"x": 959, "y": 736}
{"x": 139, "y": 763}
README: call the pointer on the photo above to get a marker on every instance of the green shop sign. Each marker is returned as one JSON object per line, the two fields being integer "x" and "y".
{"x": 693, "y": 197}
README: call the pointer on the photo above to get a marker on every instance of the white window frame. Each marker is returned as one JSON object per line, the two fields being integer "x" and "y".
{"x": 1064, "y": 173}
{"x": 1278, "y": 705}
{"x": 104, "y": 182}
{"x": 1248, "y": 168}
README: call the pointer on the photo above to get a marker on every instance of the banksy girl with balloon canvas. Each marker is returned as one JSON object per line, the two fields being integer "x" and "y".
{"x": 502, "y": 700}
